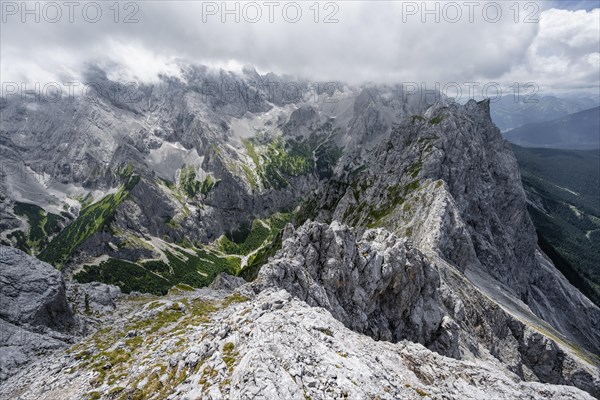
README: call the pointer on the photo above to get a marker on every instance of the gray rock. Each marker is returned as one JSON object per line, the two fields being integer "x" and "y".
{"x": 293, "y": 352}
{"x": 378, "y": 285}
{"x": 32, "y": 293}
{"x": 224, "y": 281}
{"x": 382, "y": 286}
{"x": 92, "y": 298}
{"x": 452, "y": 263}
{"x": 35, "y": 317}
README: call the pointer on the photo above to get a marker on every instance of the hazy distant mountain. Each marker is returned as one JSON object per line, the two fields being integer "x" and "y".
{"x": 579, "y": 131}
{"x": 509, "y": 114}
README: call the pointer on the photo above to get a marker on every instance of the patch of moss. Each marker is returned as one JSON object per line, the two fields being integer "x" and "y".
{"x": 395, "y": 197}
{"x": 200, "y": 310}
{"x": 115, "y": 391}
{"x": 208, "y": 185}
{"x": 188, "y": 182}
{"x": 325, "y": 331}
{"x": 415, "y": 168}
{"x": 154, "y": 324}
{"x": 436, "y": 120}
{"x": 183, "y": 287}
{"x": 134, "y": 342}
{"x": 250, "y": 177}
{"x": 229, "y": 355}
{"x": 125, "y": 172}
{"x": 169, "y": 184}
{"x": 208, "y": 375}
{"x": 416, "y": 118}
{"x": 170, "y": 222}
{"x": 234, "y": 298}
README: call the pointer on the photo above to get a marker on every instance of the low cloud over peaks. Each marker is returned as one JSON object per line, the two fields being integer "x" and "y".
{"x": 382, "y": 42}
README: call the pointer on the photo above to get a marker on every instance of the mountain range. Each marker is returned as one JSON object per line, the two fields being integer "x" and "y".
{"x": 250, "y": 242}
{"x": 578, "y": 131}
{"x": 513, "y": 111}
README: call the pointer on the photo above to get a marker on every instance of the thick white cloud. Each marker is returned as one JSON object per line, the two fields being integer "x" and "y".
{"x": 374, "y": 41}
{"x": 566, "y": 53}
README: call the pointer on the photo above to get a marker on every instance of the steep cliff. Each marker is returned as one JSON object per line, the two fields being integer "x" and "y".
{"x": 410, "y": 228}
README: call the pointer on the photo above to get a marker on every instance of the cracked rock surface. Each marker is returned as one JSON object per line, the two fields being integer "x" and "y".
{"x": 272, "y": 346}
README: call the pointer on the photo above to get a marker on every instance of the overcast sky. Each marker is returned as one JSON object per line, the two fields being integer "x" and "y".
{"x": 554, "y": 44}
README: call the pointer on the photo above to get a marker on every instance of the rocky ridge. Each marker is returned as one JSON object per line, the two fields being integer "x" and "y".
{"x": 265, "y": 347}
{"x": 316, "y": 337}
{"x": 382, "y": 286}
{"x": 420, "y": 235}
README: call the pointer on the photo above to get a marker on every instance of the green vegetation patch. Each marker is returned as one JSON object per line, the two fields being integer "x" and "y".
{"x": 396, "y": 196}
{"x": 319, "y": 150}
{"x": 197, "y": 265}
{"x": 188, "y": 182}
{"x": 156, "y": 276}
{"x": 274, "y": 163}
{"x": 42, "y": 225}
{"x": 256, "y": 238}
{"x": 261, "y": 233}
{"x": 436, "y": 120}
{"x": 91, "y": 219}
{"x": 208, "y": 185}
{"x": 417, "y": 118}
{"x": 565, "y": 187}
{"x": 112, "y": 364}
{"x": 276, "y": 159}
{"x": 229, "y": 355}
{"x": 260, "y": 258}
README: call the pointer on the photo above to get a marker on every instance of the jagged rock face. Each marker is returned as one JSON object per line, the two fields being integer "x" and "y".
{"x": 449, "y": 181}
{"x": 78, "y": 147}
{"x": 22, "y": 346}
{"x": 35, "y": 317}
{"x": 382, "y": 286}
{"x": 93, "y": 299}
{"x": 270, "y": 346}
{"x": 482, "y": 177}
{"x": 483, "y": 216}
{"x": 378, "y": 285}
{"x": 39, "y": 313}
{"x": 227, "y": 282}
{"x": 32, "y": 292}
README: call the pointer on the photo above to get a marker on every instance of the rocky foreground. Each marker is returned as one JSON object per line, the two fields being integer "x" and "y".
{"x": 297, "y": 332}
{"x": 213, "y": 345}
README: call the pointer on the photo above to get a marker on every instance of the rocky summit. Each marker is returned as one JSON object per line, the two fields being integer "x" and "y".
{"x": 345, "y": 242}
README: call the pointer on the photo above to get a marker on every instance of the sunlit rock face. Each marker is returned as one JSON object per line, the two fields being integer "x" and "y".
{"x": 409, "y": 260}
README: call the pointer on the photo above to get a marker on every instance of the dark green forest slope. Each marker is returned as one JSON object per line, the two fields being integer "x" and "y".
{"x": 563, "y": 189}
